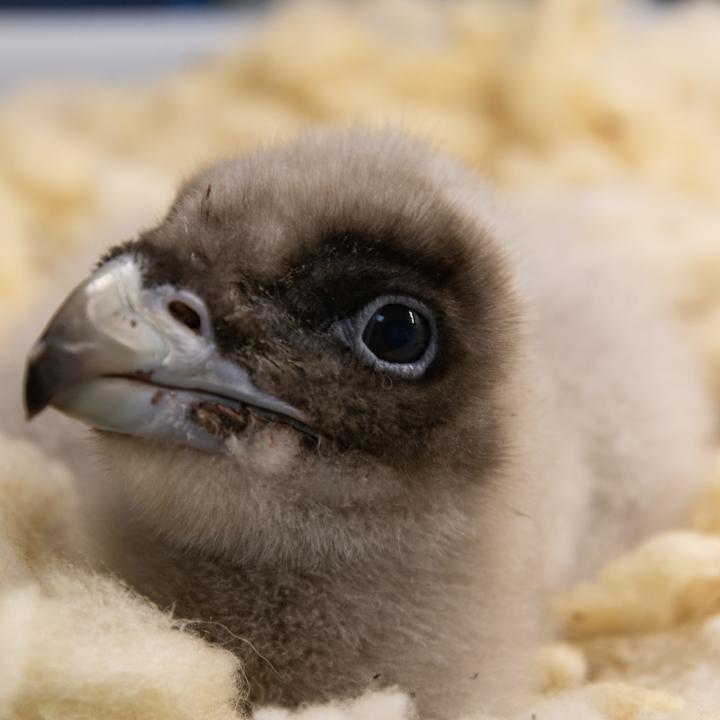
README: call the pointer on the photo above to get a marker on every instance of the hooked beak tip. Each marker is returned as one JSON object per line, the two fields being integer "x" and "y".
{"x": 38, "y": 387}
{"x": 36, "y": 397}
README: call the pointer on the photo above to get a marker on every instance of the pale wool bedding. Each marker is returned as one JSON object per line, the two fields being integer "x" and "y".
{"x": 577, "y": 107}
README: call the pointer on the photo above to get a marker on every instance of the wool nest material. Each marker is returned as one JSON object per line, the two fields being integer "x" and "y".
{"x": 590, "y": 108}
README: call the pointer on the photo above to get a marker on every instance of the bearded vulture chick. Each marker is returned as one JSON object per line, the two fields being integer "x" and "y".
{"x": 355, "y": 422}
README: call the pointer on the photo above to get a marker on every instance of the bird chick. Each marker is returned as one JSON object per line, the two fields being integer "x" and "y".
{"x": 355, "y": 424}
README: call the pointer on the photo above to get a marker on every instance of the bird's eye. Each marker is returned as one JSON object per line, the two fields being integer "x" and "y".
{"x": 397, "y": 334}
{"x": 393, "y": 333}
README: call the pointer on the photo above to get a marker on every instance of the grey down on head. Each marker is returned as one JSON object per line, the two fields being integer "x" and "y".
{"x": 357, "y": 420}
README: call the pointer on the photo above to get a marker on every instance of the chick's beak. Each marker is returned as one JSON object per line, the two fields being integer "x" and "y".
{"x": 121, "y": 357}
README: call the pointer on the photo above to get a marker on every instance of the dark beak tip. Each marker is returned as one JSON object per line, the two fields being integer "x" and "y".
{"x": 36, "y": 395}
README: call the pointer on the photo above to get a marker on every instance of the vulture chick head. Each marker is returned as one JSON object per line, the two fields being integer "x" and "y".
{"x": 304, "y": 357}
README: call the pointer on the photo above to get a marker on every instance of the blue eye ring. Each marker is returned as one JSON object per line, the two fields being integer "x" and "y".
{"x": 351, "y": 332}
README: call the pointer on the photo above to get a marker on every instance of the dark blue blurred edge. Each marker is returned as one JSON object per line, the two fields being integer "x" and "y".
{"x": 116, "y": 5}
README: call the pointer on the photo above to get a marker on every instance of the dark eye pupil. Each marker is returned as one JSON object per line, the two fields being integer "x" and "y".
{"x": 397, "y": 333}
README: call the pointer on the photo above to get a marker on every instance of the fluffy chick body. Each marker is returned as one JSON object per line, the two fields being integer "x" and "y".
{"x": 564, "y": 421}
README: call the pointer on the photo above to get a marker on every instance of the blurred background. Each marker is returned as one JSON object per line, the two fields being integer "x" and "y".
{"x": 109, "y": 39}
{"x": 601, "y": 115}
{"x": 44, "y": 40}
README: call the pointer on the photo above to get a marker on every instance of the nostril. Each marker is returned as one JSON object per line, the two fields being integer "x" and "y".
{"x": 184, "y": 314}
